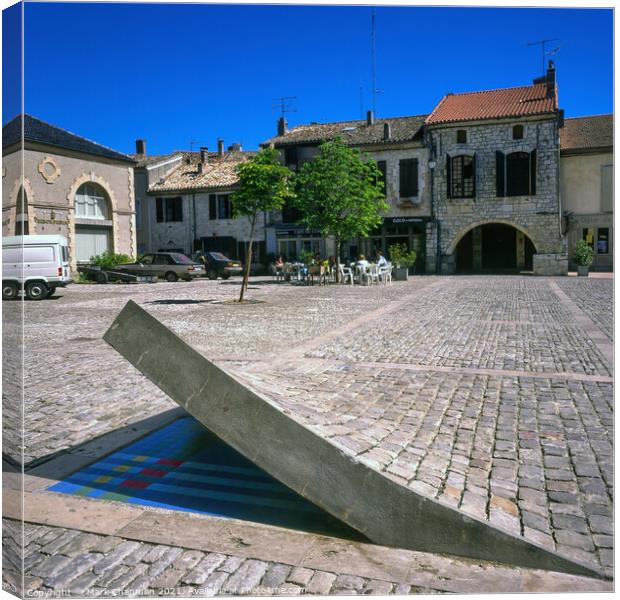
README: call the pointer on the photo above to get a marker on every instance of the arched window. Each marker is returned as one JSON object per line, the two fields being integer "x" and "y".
{"x": 517, "y": 132}
{"x": 91, "y": 202}
{"x": 461, "y": 176}
{"x": 21, "y": 217}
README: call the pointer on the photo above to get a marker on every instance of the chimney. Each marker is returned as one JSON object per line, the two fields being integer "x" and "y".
{"x": 141, "y": 147}
{"x": 387, "y": 132}
{"x": 282, "y": 129}
{"x": 550, "y": 79}
{"x": 370, "y": 117}
{"x": 204, "y": 158}
{"x": 235, "y": 147}
{"x": 220, "y": 147}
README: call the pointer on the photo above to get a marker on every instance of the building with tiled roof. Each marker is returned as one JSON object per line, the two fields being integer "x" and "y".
{"x": 495, "y": 161}
{"x": 72, "y": 186}
{"x": 582, "y": 134}
{"x": 354, "y": 133}
{"x": 523, "y": 101}
{"x": 42, "y": 133}
{"x": 185, "y": 202}
{"x": 397, "y": 144}
{"x": 587, "y": 186}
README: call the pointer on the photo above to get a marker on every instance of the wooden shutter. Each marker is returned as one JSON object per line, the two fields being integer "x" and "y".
{"x": 212, "y": 207}
{"x": 533, "y": 172}
{"x": 159, "y": 209}
{"x": 177, "y": 209}
{"x": 473, "y": 167}
{"x": 449, "y": 175}
{"x": 500, "y": 178}
{"x": 413, "y": 177}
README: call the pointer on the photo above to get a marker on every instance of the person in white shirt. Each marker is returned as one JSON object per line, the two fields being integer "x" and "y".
{"x": 381, "y": 261}
{"x": 362, "y": 262}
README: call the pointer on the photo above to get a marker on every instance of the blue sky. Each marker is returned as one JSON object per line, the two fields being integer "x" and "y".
{"x": 177, "y": 73}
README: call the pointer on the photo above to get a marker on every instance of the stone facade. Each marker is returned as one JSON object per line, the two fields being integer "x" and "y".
{"x": 52, "y": 177}
{"x": 536, "y": 216}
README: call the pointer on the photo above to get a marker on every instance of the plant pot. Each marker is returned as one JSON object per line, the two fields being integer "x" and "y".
{"x": 401, "y": 273}
{"x": 582, "y": 270}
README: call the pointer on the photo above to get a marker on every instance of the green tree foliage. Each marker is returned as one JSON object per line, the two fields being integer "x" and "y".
{"x": 340, "y": 193}
{"x": 264, "y": 185}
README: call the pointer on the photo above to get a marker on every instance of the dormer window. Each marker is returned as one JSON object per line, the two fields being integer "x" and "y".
{"x": 461, "y": 136}
{"x": 517, "y": 132}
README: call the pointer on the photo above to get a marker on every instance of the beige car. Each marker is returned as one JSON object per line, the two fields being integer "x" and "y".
{"x": 170, "y": 266}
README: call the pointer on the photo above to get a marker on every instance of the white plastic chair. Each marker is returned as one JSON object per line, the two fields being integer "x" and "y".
{"x": 385, "y": 274}
{"x": 372, "y": 274}
{"x": 346, "y": 273}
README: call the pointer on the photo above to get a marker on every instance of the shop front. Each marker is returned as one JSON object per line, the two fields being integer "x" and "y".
{"x": 410, "y": 231}
{"x": 292, "y": 241}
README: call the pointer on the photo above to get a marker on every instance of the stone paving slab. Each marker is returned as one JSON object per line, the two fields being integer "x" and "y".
{"x": 593, "y": 298}
{"x": 73, "y": 378}
{"x": 86, "y": 565}
{"x": 530, "y": 455}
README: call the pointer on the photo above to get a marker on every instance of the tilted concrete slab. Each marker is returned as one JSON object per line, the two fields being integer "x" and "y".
{"x": 384, "y": 510}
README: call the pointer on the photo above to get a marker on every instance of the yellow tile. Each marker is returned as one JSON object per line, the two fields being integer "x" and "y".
{"x": 139, "y": 458}
{"x": 122, "y": 468}
{"x": 103, "y": 479}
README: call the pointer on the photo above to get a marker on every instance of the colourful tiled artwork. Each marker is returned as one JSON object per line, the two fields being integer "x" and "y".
{"x": 185, "y": 467}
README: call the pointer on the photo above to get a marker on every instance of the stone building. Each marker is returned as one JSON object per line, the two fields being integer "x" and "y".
{"x": 397, "y": 146}
{"x": 587, "y": 186}
{"x": 494, "y": 158}
{"x": 70, "y": 186}
{"x": 186, "y": 203}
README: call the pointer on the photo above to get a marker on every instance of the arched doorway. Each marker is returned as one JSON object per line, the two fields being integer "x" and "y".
{"x": 93, "y": 225}
{"x": 494, "y": 248}
{"x": 21, "y": 213}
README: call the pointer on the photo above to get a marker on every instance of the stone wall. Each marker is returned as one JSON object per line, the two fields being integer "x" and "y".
{"x": 536, "y": 216}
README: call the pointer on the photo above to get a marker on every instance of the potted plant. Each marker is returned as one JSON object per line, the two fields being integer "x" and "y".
{"x": 584, "y": 255}
{"x": 402, "y": 260}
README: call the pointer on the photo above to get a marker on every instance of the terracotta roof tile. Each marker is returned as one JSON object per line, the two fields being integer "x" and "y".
{"x": 493, "y": 104}
{"x": 353, "y": 132}
{"x": 151, "y": 159}
{"x": 220, "y": 173}
{"x": 587, "y": 133}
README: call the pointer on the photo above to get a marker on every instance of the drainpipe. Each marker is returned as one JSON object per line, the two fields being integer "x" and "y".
{"x": 194, "y": 219}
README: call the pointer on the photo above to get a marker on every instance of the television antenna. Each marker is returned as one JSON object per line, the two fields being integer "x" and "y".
{"x": 191, "y": 145}
{"x": 543, "y": 43}
{"x": 373, "y": 64}
{"x": 284, "y": 104}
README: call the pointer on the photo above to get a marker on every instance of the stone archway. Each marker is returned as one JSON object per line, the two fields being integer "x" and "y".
{"x": 493, "y": 246}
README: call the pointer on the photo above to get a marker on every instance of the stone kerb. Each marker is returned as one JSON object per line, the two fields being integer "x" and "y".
{"x": 382, "y": 509}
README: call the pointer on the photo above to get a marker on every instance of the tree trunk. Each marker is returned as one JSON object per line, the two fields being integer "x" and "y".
{"x": 248, "y": 259}
{"x": 337, "y": 260}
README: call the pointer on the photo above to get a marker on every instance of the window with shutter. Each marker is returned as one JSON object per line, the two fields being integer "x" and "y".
{"x": 461, "y": 136}
{"x": 159, "y": 209}
{"x": 408, "y": 177}
{"x": 462, "y": 177}
{"x": 212, "y": 207}
{"x": 448, "y": 176}
{"x": 517, "y": 132}
{"x": 500, "y": 179}
{"x": 533, "y": 172}
{"x": 518, "y": 174}
{"x": 382, "y": 166}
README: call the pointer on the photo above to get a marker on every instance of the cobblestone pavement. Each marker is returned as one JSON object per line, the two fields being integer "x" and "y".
{"x": 592, "y": 296}
{"x": 62, "y": 562}
{"x": 481, "y": 392}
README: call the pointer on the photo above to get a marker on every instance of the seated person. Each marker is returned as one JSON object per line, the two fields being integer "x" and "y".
{"x": 381, "y": 261}
{"x": 279, "y": 264}
{"x": 362, "y": 262}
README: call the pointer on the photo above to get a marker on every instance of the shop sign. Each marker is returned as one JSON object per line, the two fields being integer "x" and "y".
{"x": 404, "y": 220}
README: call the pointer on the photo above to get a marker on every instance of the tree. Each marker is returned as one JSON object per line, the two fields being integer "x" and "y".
{"x": 340, "y": 193}
{"x": 264, "y": 185}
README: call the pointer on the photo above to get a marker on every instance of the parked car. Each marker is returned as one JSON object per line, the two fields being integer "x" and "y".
{"x": 217, "y": 265}
{"x": 168, "y": 265}
{"x": 35, "y": 264}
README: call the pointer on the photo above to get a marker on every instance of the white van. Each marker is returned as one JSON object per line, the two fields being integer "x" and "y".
{"x": 38, "y": 264}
